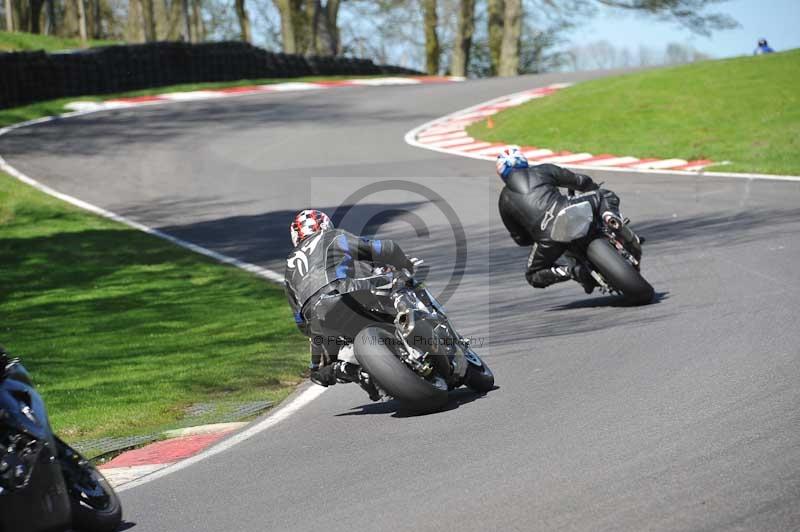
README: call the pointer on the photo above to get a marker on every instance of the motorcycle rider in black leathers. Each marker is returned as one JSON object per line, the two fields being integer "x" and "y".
{"x": 323, "y": 272}
{"x": 531, "y": 201}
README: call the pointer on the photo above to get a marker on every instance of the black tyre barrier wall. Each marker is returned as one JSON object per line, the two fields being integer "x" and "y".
{"x": 27, "y": 77}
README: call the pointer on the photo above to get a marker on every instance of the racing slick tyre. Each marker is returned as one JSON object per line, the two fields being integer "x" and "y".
{"x": 619, "y": 273}
{"x": 480, "y": 379}
{"x": 373, "y": 350}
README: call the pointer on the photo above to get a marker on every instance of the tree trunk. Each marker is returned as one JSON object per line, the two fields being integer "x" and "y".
{"x": 432, "y": 49}
{"x": 174, "y": 20}
{"x": 466, "y": 26}
{"x": 35, "y": 16}
{"x": 82, "y": 20}
{"x": 97, "y": 22}
{"x": 495, "y": 30}
{"x": 9, "y": 9}
{"x": 331, "y": 23}
{"x": 186, "y": 25}
{"x": 313, "y": 9}
{"x": 512, "y": 29}
{"x": 133, "y": 31}
{"x": 294, "y": 26}
{"x": 199, "y": 28}
{"x": 165, "y": 25}
{"x": 148, "y": 20}
{"x": 51, "y": 26}
{"x": 287, "y": 25}
{"x": 21, "y": 15}
{"x": 244, "y": 21}
{"x": 323, "y": 27}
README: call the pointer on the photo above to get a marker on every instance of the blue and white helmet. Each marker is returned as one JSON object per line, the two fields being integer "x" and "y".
{"x": 509, "y": 159}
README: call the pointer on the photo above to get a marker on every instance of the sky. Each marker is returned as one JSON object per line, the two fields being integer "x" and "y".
{"x": 778, "y": 21}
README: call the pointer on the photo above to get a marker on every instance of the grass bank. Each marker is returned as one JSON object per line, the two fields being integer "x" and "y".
{"x": 20, "y": 41}
{"x": 744, "y": 110}
{"x": 123, "y": 331}
{"x": 56, "y": 107}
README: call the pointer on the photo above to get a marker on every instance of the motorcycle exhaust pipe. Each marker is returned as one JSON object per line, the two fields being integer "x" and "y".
{"x": 612, "y": 221}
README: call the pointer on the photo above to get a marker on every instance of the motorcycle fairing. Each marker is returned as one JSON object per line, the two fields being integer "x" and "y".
{"x": 572, "y": 222}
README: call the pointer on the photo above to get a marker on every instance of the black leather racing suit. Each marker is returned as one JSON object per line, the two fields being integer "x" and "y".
{"x": 321, "y": 274}
{"x": 530, "y": 202}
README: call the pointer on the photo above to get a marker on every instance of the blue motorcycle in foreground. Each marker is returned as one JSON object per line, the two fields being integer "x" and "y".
{"x": 45, "y": 485}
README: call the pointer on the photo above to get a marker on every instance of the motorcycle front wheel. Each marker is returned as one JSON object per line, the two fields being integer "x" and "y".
{"x": 374, "y": 349}
{"x": 619, "y": 273}
{"x": 95, "y": 505}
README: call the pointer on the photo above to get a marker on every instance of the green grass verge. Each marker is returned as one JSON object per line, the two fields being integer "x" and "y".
{"x": 19, "y": 41}
{"x": 56, "y": 107}
{"x": 744, "y": 110}
{"x": 122, "y": 331}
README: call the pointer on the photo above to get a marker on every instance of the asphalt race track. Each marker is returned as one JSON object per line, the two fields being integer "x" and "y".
{"x": 682, "y": 415}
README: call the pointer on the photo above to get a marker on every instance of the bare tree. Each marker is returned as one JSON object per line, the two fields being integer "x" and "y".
{"x": 677, "y": 54}
{"x": 9, "y": 9}
{"x": 432, "y": 49}
{"x": 50, "y": 25}
{"x": 602, "y": 54}
{"x": 35, "y": 15}
{"x": 512, "y": 30}
{"x": 463, "y": 40}
{"x": 625, "y": 59}
{"x": 82, "y": 20}
{"x": 323, "y": 28}
{"x": 395, "y": 33}
{"x": 539, "y": 49}
{"x": 688, "y": 13}
{"x": 293, "y": 25}
{"x": 244, "y": 21}
{"x": 186, "y": 24}
{"x": 148, "y": 20}
{"x": 96, "y": 19}
{"x": 134, "y": 31}
{"x": 198, "y": 26}
{"x": 647, "y": 56}
{"x": 495, "y": 25}
{"x": 329, "y": 40}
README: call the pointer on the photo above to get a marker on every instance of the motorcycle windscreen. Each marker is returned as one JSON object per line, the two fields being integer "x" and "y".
{"x": 572, "y": 222}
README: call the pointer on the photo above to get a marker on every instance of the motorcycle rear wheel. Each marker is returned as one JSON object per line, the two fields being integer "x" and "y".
{"x": 619, "y": 273}
{"x": 373, "y": 350}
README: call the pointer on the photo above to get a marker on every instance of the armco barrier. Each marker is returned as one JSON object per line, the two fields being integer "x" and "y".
{"x": 27, "y": 77}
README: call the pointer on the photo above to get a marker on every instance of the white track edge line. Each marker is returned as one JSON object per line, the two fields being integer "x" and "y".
{"x": 283, "y": 412}
{"x": 410, "y": 139}
{"x": 302, "y": 399}
{"x": 225, "y": 259}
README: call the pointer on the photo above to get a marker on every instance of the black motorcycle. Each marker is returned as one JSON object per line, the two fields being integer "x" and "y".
{"x": 400, "y": 336}
{"x": 45, "y": 485}
{"x": 608, "y": 247}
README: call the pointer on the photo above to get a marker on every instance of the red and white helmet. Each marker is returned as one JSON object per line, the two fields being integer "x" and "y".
{"x": 307, "y": 223}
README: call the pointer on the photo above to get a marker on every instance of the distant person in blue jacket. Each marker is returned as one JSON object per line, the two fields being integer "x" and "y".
{"x": 763, "y": 48}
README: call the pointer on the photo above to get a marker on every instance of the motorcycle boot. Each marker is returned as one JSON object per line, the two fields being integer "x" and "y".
{"x": 368, "y": 385}
{"x": 582, "y": 274}
{"x": 577, "y": 272}
{"x": 342, "y": 372}
{"x": 354, "y": 374}
{"x": 332, "y": 373}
